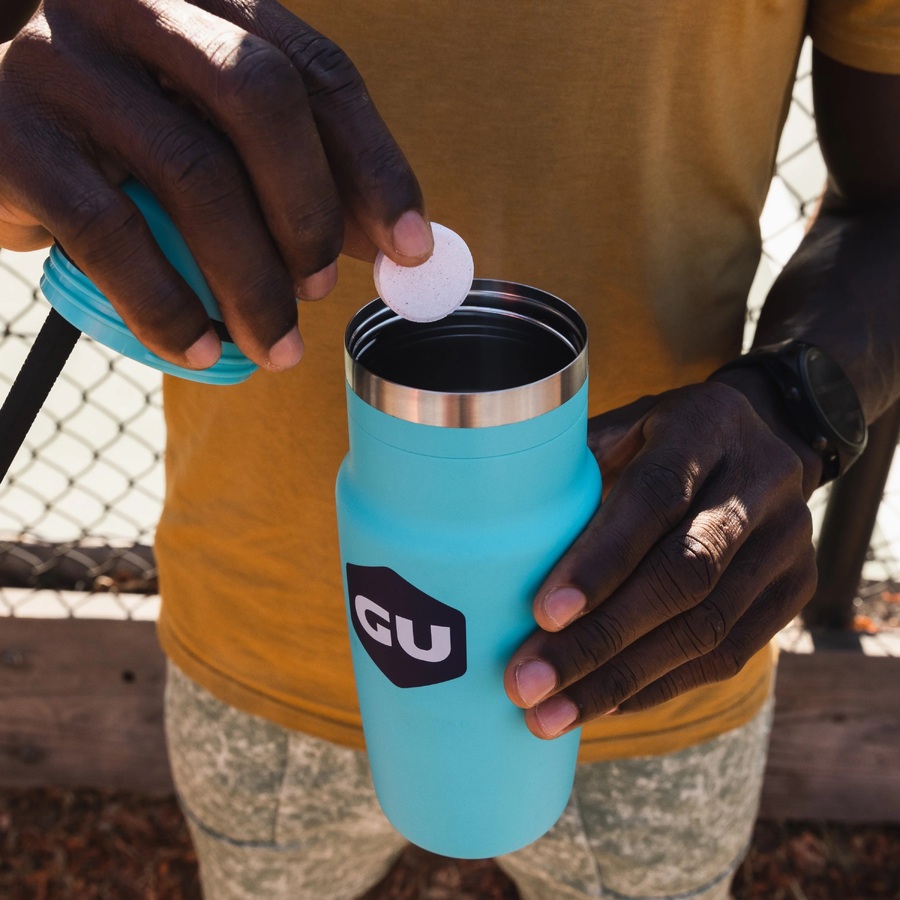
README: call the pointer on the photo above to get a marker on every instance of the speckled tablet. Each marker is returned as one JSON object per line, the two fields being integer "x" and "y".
{"x": 432, "y": 290}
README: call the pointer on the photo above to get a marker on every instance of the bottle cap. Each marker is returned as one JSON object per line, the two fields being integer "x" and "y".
{"x": 432, "y": 290}
{"x": 79, "y": 301}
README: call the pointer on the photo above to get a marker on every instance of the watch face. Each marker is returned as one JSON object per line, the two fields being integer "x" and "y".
{"x": 835, "y": 397}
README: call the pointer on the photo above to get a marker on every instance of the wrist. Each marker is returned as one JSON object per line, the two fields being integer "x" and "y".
{"x": 819, "y": 409}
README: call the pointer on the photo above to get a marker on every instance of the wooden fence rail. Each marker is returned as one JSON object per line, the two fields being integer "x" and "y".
{"x": 81, "y": 705}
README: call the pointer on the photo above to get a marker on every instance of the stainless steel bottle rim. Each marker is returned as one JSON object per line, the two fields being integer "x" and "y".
{"x": 508, "y": 354}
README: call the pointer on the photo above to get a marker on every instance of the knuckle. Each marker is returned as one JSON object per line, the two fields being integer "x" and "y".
{"x": 620, "y": 680}
{"x": 664, "y": 689}
{"x": 788, "y": 541}
{"x": 319, "y": 232}
{"x": 711, "y": 410}
{"x": 778, "y": 464}
{"x": 30, "y": 74}
{"x": 618, "y": 556}
{"x": 669, "y": 688}
{"x": 693, "y": 564}
{"x": 107, "y": 234}
{"x": 192, "y": 165}
{"x": 682, "y": 573}
{"x": 269, "y": 302}
{"x": 720, "y": 406}
{"x": 704, "y": 629}
{"x": 258, "y": 80}
{"x": 723, "y": 396}
{"x": 382, "y": 162}
{"x": 30, "y": 45}
{"x": 664, "y": 486}
{"x": 328, "y": 71}
{"x": 99, "y": 225}
{"x": 151, "y": 313}
{"x": 725, "y": 661}
{"x": 596, "y": 639}
{"x": 270, "y": 287}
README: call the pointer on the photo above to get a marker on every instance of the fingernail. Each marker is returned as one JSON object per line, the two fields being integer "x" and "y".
{"x": 534, "y": 680}
{"x": 563, "y": 605}
{"x": 203, "y": 352}
{"x": 286, "y": 352}
{"x": 318, "y": 285}
{"x": 555, "y": 715}
{"x": 412, "y": 235}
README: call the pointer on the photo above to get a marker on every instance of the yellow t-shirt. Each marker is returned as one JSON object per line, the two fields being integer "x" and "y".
{"x": 615, "y": 153}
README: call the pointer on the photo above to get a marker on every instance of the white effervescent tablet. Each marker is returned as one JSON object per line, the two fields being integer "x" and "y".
{"x": 432, "y": 290}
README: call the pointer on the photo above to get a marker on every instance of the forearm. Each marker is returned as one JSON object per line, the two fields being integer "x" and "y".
{"x": 13, "y": 15}
{"x": 841, "y": 292}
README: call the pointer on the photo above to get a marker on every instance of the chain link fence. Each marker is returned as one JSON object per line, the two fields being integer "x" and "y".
{"x": 79, "y": 506}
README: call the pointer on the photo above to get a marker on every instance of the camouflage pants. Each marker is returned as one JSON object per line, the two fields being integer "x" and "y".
{"x": 278, "y": 815}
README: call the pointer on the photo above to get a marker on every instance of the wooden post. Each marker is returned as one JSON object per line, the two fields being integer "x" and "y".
{"x": 81, "y": 703}
{"x": 847, "y": 527}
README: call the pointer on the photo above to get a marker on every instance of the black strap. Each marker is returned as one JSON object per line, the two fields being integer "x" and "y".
{"x": 38, "y": 374}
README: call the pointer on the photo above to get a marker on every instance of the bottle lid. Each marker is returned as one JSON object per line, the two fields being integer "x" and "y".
{"x": 432, "y": 290}
{"x": 74, "y": 296}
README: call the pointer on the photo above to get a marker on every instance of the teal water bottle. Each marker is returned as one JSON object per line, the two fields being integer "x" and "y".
{"x": 468, "y": 476}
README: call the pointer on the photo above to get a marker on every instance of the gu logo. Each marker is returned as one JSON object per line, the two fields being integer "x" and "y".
{"x": 413, "y": 638}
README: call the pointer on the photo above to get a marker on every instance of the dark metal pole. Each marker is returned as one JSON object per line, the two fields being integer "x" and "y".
{"x": 38, "y": 374}
{"x": 848, "y": 525}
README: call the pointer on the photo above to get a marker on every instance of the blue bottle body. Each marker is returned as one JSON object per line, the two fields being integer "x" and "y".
{"x": 471, "y": 520}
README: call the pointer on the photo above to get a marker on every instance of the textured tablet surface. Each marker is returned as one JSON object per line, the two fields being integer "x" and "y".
{"x": 432, "y": 290}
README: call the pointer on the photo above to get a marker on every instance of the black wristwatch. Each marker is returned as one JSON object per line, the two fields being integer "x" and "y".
{"x": 819, "y": 398}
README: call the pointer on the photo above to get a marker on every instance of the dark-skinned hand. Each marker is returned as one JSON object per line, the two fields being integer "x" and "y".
{"x": 699, "y": 554}
{"x": 255, "y": 133}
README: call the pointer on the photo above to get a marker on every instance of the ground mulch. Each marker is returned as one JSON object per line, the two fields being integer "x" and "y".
{"x": 60, "y": 844}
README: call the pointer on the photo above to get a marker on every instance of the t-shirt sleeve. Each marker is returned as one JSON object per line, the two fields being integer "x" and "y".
{"x": 864, "y": 34}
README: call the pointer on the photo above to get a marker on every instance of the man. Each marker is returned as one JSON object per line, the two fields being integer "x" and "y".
{"x": 616, "y": 154}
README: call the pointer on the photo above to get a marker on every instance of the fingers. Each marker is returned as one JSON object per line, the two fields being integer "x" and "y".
{"x": 255, "y": 96}
{"x": 711, "y": 642}
{"x": 377, "y": 185}
{"x": 772, "y": 611}
{"x": 255, "y": 133}
{"x": 663, "y": 598}
{"x": 103, "y": 231}
{"x": 101, "y": 111}
{"x": 652, "y": 495}
{"x": 49, "y": 176}
{"x": 199, "y": 179}
{"x": 677, "y": 574}
{"x": 697, "y": 556}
